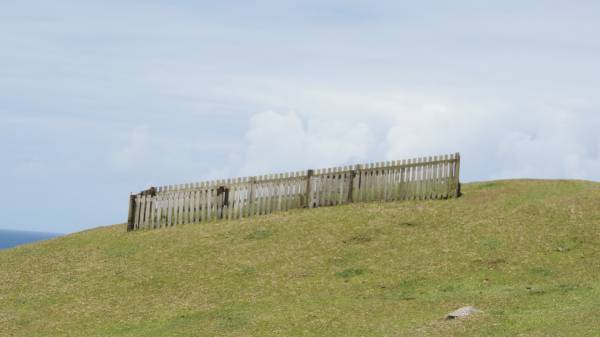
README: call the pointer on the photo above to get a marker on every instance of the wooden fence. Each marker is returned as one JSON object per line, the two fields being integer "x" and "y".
{"x": 421, "y": 178}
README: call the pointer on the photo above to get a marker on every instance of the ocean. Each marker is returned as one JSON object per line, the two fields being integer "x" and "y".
{"x": 11, "y": 238}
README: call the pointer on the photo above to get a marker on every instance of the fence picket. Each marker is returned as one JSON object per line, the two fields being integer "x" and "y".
{"x": 258, "y": 203}
{"x": 433, "y": 180}
{"x": 414, "y": 190}
{"x": 438, "y": 177}
{"x": 396, "y": 181}
{"x": 208, "y": 201}
{"x": 182, "y": 213}
{"x": 197, "y": 204}
{"x": 387, "y": 171}
{"x": 175, "y": 205}
{"x": 451, "y": 176}
{"x": 328, "y": 187}
{"x": 427, "y": 179}
{"x": 421, "y": 178}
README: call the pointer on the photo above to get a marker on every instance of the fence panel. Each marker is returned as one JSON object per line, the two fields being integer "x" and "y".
{"x": 421, "y": 178}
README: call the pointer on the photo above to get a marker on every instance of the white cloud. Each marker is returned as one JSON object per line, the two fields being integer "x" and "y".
{"x": 151, "y": 157}
{"x": 432, "y": 125}
{"x": 495, "y": 137}
{"x": 549, "y": 143}
{"x": 283, "y": 141}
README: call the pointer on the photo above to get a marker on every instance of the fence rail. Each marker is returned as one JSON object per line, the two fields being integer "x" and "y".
{"x": 420, "y": 178}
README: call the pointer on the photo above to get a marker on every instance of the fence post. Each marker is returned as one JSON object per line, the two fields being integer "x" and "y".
{"x": 351, "y": 187}
{"x": 251, "y": 197}
{"x": 308, "y": 202}
{"x": 457, "y": 176}
{"x": 130, "y": 216}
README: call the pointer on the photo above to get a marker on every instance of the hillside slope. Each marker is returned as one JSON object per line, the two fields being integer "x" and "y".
{"x": 525, "y": 252}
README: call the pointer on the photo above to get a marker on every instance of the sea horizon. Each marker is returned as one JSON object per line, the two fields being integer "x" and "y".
{"x": 10, "y": 238}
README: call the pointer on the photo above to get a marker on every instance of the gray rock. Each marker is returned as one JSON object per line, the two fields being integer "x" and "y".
{"x": 462, "y": 312}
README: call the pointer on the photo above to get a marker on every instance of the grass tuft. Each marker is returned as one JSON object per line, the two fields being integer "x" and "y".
{"x": 350, "y": 272}
{"x": 259, "y": 234}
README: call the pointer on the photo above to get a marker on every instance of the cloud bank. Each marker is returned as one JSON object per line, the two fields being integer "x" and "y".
{"x": 496, "y": 140}
{"x": 98, "y": 100}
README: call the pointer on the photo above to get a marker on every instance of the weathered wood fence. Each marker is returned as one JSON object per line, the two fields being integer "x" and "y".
{"x": 421, "y": 178}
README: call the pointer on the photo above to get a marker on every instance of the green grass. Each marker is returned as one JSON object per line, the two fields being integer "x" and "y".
{"x": 525, "y": 252}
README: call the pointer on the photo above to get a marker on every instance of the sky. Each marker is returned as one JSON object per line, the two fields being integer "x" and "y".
{"x": 99, "y": 99}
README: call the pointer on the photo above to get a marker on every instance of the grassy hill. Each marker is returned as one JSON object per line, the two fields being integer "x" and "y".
{"x": 525, "y": 252}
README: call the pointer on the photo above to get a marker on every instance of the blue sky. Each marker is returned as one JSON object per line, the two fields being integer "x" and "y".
{"x": 102, "y": 98}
